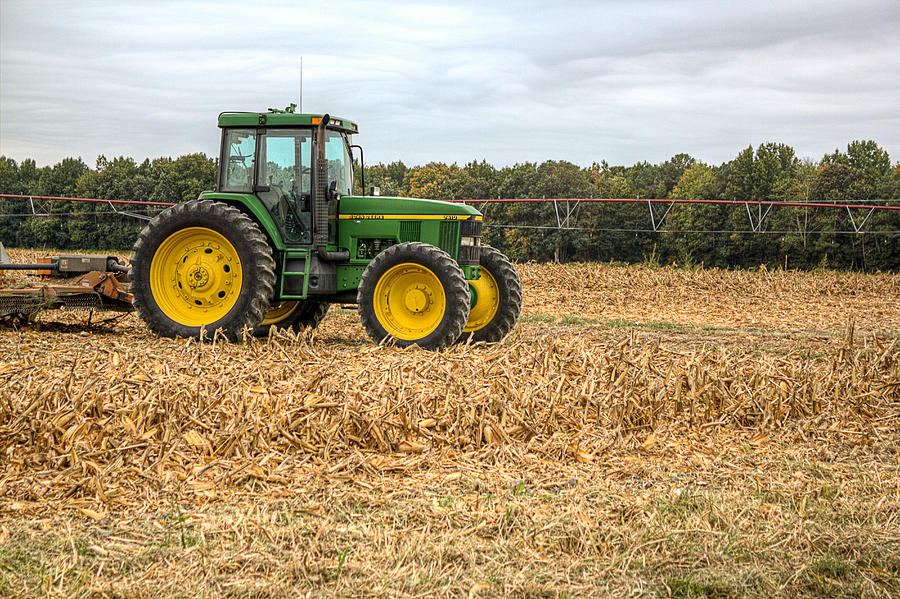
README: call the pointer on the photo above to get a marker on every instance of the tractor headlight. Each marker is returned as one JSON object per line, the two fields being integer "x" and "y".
{"x": 468, "y": 241}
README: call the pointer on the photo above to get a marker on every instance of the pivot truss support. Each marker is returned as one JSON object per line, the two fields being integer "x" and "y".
{"x": 657, "y": 224}
{"x": 756, "y": 227}
{"x": 565, "y": 216}
{"x": 758, "y": 211}
{"x": 861, "y": 226}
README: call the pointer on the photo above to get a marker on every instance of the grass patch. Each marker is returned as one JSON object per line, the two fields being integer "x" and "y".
{"x": 576, "y": 320}
{"x": 830, "y": 567}
{"x": 688, "y": 588}
{"x": 21, "y": 563}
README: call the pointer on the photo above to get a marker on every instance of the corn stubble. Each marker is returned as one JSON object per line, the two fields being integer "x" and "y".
{"x": 570, "y": 457}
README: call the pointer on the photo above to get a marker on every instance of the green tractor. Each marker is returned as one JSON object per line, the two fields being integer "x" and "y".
{"x": 282, "y": 237}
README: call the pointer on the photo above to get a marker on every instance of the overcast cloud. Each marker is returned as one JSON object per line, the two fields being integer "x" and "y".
{"x": 455, "y": 81}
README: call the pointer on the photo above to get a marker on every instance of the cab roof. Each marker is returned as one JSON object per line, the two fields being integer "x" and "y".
{"x": 282, "y": 119}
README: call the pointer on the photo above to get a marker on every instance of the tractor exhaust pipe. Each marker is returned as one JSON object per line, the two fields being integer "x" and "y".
{"x": 320, "y": 201}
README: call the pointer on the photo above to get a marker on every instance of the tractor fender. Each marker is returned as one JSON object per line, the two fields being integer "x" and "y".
{"x": 252, "y": 207}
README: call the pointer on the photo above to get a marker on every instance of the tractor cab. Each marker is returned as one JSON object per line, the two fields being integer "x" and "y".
{"x": 272, "y": 155}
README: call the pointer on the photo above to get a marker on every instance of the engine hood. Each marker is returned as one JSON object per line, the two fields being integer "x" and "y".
{"x": 368, "y": 207}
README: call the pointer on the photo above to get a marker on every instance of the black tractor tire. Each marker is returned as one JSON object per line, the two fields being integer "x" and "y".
{"x": 304, "y": 315}
{"x": 414, "y": 272}
{"x": 210, "y": 219}
{"x": 509, "y": 303}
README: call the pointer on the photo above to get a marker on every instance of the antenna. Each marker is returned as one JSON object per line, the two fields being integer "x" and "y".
{"x": 301, "y": 85}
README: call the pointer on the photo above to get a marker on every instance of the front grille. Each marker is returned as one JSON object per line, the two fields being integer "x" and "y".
{"x": 448, "y": 237}
{"x": 471, "y": 228}
{"x": 469, "y": 255}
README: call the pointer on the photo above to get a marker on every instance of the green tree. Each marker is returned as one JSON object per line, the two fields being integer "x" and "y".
{"x": 474, "y": 181}
{"x": 673, "y": 169}
{"x": 388, "y": 178}
{"x": 431, "y": 181}
{"x": 62, "y": 179}
{"x": 189, "y": 175}
{"x": 699, "y": 182}
{"x": 541, "y": 238}
{"x": 648, "y": 180}
{"x": 606, "y": 221}
{"x": 9, "y": 184}
{"x": 762, "y": 176}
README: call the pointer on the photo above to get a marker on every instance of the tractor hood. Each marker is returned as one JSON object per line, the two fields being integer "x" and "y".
{"x": 380, "y": 207}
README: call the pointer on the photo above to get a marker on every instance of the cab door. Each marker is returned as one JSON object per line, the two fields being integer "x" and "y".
{"x": 283, "y": 182}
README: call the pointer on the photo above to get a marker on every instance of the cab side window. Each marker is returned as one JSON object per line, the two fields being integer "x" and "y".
{"x": 240, "y": 155}
{"x": 340, "y": 164}
{"x": 340, "y": 172}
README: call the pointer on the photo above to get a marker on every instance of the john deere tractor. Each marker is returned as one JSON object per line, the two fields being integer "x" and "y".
{"x": 283, "y": 236}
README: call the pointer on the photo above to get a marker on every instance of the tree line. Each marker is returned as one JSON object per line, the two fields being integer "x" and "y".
{"x": 78, "y": 225}
{"x": 710, "y": 234}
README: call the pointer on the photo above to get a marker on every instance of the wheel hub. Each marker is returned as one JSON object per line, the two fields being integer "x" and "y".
{"x": 201, "y": 275}
{"x": 196, "y": 276}
{"x": 416, "y": 300}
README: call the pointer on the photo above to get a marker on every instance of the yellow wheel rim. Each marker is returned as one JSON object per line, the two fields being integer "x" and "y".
{"x": 488, "y": 300}
{"x": 280, "y": 312}
{"x": 195, "y": 276}
{"x": 409, "y": 301}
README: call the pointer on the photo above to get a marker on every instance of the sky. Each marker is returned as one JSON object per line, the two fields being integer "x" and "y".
{"x": 505, "y": 82}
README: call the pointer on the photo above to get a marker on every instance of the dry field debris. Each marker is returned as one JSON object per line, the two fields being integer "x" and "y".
{"x": 643, "y": 432}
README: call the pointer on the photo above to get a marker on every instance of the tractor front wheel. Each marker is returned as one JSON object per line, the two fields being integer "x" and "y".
{"x": 202, "y": 266}
{"x": 292, "y": 314}
{"x": 498, "y": 298}
{"x": 414, "y": 294}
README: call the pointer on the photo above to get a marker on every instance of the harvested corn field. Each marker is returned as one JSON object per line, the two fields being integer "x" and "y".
{"x": 642, "y": 432}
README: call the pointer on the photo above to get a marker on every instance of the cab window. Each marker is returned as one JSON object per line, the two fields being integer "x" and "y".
{"x": 340, "y": 172}
{"x": 284, "y": 181}
{"x": 340, "y": 164}
{"x": 240, "y": 153}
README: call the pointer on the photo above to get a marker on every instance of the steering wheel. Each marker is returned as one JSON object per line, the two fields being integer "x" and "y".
{"x": 293, "y": 221}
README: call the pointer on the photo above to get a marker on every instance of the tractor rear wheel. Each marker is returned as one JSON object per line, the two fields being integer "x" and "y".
{"x": 498, "y": 299}
{"x": 414, "y": 294}
{"x": 202, "y": 266}
{"x": 292, "y": 314}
